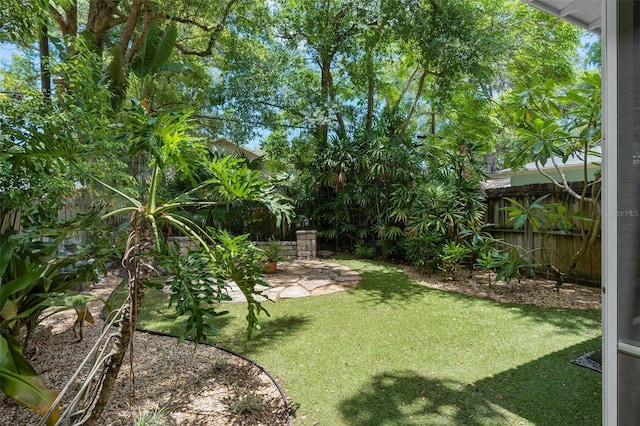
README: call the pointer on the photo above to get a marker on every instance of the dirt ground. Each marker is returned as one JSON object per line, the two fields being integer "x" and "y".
{"x": 533, "y": 291}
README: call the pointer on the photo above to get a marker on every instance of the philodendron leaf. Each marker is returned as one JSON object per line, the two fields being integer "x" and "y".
{"x": 20, "y": 382}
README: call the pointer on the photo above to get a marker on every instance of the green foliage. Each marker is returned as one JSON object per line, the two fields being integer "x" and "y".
{"x": 361, "y": 199}
{"x": 364, "y": 251}
{"x": 556, "y": 121}
{"x": 509, "y": 264}
{"x": 20, "y": 381}
{"x": 199, "y": 278}
{"x": 32, "y": 278}
{"x": 237, "y": 259}
{"x": 155, "y": 50}
{"x": 156, "y": 417}
{"x": 555, "y": 124}
{"x": 535, "y": 213}
{"x": 453, "y": 257}
{"x": 221, "y": 363}
{"x": 20, "y": 18}
{"x": 195, "y": 291}
{"x": 272, "y": 251}
{"x": 423, "y": 251}
{"x": 249, "y": 403}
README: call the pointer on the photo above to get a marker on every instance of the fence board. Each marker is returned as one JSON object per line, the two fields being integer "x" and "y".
{"x": 560, "y": 246}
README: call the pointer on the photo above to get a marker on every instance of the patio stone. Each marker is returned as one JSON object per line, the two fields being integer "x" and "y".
{"x": 302, "y": 278}
{"x": 293, "y": 292}
{"x": 328, "y": 289}
{"x": 315, "y": 283}
{"x": 349, "y": 273}
{"x": 284, "y": 279}
{"x": 343, "y": 279}
{"x": 348, "y": 284}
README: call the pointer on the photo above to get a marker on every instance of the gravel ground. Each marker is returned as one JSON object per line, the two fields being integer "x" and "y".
{"x": 185, "y": 385}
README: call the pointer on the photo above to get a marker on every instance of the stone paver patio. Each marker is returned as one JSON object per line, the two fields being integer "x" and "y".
{"x": 302, "y": 278}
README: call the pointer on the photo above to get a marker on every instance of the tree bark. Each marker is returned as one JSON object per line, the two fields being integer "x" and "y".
{"x": 45, "y": 71}
{"x": 370, "y": 90}
{"x": 101, "y": 18}
{"x": 141, "y": 241}
{"x": 407, "y": 120}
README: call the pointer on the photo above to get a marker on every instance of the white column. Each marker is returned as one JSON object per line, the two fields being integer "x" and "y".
{"x": 609, "y": 212}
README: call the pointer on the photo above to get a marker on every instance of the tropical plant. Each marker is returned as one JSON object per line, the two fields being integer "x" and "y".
{"x": 249, "y": 403}
{"x": 453, "y": 256}
{"x": 509, "y": 263}
{"x": 423, "y": 250}
{"x": 554, "y": 125}
{"x": 364, "y": 251}
{"x": 34, "y": 277}
{"x": 272, "y": 251}
{"x": 165, "y": 140}
{"x": 155, "y": 417}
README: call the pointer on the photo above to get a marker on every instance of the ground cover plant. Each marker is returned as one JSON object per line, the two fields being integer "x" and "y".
{"x": 394, "y": 352}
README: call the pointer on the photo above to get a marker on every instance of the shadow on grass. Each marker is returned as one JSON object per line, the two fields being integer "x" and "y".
{"x": 387, "y": 284}
{"x": 156, "y": 317}
{"x": 547, "y": 391}
{"x": 273, "y": 332}
{"x": 566, "y": 321}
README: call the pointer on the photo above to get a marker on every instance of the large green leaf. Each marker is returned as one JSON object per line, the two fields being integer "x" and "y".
{"x": 6, "y": 253}
{"x": 20, "y": 283}
{"x": 20, "y": 382}
{"x": 27, "y": 391}
{"x": 155, "y": 50}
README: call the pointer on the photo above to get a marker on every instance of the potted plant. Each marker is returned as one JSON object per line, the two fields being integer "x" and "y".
{"x": 272, "y": 254}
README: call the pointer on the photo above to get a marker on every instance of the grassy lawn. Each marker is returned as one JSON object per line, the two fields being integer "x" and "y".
{"x": 391, "y": 352}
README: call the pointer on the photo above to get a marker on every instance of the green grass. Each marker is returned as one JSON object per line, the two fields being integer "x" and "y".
{"x": 391, "y": 352}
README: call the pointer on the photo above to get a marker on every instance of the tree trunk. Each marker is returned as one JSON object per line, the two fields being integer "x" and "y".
{"x": 370, "y": 90}
{"x": 325, "y": 79}
{"x": 101, "y": 19}
{"x": 45, "y": 71}
{"x": 587, "y": 243}
{"x": 139, "y": 268}
{"x": 412, "y": 109}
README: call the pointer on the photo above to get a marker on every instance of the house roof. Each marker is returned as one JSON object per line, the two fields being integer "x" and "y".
{"x": 575, "y": 161}
{"x": 583, "y": 13}
{"x": 226, "y": 146}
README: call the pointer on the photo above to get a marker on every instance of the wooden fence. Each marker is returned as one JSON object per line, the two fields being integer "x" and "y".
{"x": 560, "y": 246}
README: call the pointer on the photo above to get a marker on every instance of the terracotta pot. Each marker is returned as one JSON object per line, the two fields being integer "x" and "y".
{"x": 270, "y": 267}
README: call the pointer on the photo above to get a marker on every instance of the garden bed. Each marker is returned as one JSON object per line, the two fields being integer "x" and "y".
{"x": 181, "y": 383}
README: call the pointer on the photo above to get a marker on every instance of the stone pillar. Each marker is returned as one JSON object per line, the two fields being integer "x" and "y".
{"x": 306, "y": 242}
